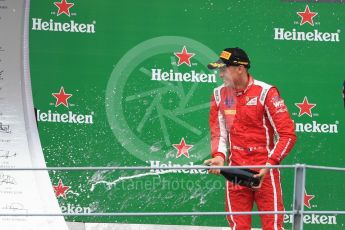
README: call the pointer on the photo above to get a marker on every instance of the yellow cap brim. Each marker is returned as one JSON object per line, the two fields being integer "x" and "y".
{"x": 215, "y": 65}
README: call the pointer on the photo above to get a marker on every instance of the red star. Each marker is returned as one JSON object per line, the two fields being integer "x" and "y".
{"x": 61, "y": 97}
{"x": 307, "y": 199}
{"x": 305, "y": 107}
{"x": 182, "y": 148}
{"x": 63, "y": 7}
{"x": 307, "y": 16}
{"x": 60, "y": 189}
{"x": 184, "y": 57}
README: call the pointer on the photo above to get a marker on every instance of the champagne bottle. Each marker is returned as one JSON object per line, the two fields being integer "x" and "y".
{"x": 244, "y": 177}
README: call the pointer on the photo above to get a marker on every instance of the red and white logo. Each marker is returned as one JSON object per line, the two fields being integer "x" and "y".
{"x": 61, "y": 190}
{"x": 182, "y": 148}
{"x": 63, "y": 7}
{"x": 184, "y": 57}
{"x": 62, "y": 97}
{"x": 307, "y": 16}
{"x": 305, "y": 107}
{"x": 307, "y": 199}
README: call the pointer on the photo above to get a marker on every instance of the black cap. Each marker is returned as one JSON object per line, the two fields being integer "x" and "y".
{"x": 231, "y": 57}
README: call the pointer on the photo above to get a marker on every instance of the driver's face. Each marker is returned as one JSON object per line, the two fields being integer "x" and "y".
{"x": 230, "y": 75}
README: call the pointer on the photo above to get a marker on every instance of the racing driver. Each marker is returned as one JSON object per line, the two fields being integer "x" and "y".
{"x": 251, "y": 119}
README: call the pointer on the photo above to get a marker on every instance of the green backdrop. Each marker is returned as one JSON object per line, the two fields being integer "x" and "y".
{"x": 117, "y": 63}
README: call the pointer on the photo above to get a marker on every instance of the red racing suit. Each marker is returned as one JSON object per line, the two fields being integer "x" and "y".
{"x": 256, "y": 127}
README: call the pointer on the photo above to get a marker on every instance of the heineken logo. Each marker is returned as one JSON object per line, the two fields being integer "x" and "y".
{"x": 307, "y": 16}
{"x": 170, "y": 164}
{"x": 313, "y": 218}
{"x": 159, "y": 75}
{"x": 305, "y": 107}
{"x": 63, "y": 7}
{"x": 184, "y": 57}
{"x": 315, "y": 35}
{"x": 72, "y": 26}
{"x": 75, "y": 209}
{"x": 182, "y": 148}
{"x": 306, "y": 19}
{"x": 62, "y": 97}
{"x": 69, "y": 117}
{"x": 62, "y": 100}
{"x": 307, "y": 199}
{"x": 315, "y": 127}
{"x": 305, "y": 110}
{"x": 61, "y": 190}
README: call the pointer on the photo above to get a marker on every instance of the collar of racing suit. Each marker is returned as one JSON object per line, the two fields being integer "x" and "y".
{"x": 249, "y": 84}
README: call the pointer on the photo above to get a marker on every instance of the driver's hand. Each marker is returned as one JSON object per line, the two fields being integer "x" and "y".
{"x": 261, "y": 175}
{"x": 216, "y": 161}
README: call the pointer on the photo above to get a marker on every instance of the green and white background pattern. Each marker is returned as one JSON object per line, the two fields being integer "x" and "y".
{"x": 119, "y": 112}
